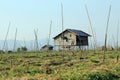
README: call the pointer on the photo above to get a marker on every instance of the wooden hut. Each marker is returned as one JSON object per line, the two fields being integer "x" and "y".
{"x": 71, "y": 38}
{"x": 47, "y": 47}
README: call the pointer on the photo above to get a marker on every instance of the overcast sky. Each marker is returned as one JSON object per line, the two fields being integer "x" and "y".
{"x": 27, "y": 15}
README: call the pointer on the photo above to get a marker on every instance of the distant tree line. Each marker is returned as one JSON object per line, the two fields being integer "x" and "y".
{"x": 22, "y": 49}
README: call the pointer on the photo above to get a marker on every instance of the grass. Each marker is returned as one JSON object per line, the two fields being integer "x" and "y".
{"x": 51, "y": 66}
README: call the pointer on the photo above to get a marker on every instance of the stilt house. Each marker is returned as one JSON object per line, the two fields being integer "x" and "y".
{"x": 71, "y": 38}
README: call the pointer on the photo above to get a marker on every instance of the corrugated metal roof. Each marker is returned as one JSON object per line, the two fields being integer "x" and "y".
{"x": 79, "y": 32}
{"x": 47, "y": 46}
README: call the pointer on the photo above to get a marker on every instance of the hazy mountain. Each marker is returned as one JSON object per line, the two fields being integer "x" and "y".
{"x": 31, "y": 45}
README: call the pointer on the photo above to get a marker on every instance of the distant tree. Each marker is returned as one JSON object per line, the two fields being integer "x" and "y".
{"x": 9, "y": 51}
{"x": 1, "y": 51}
{"x": 23, "y": 48}
{"x": 18, "y": 49}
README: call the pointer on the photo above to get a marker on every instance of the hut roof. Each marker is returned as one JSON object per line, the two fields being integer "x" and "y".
{"x": 49, "y": 46}
{"x": 79, "y": 32}
{"x": 76, "y": 32}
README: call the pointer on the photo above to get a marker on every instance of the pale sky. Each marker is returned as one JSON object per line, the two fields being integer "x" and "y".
{"x": 27, "y": 15}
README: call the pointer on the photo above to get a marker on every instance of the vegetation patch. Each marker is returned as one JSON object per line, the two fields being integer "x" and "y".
{"x": 54, "y": 66}
{"x": 103, "y": 75}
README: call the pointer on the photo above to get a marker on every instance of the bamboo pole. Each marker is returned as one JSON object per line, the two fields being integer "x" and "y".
{"x": 105, "y": 42}
{"x": 49, "y": 33}
{"x": 62, "y": 25}
{"x": 25, "y": 42}
{"x": 15, "y": 40}
{"x": 62, "y": 30}
{"x": 36, "y": 39}
{"x": 91, "y": 27}
{"x": 37, "y": 44}
{"x": 114, "y": 42}
{"x": 117, "y": 59}
{"x": 6, "y": 36}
